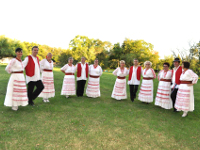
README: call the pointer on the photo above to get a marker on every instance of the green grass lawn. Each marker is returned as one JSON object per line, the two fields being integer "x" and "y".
{"x": 101, "y": 123}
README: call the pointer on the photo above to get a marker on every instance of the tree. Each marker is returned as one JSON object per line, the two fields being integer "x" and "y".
{"x": 89, "y": 48}
{"x": 191, "y": 55}
{"x": 63, "y": 57}
{"x": 134, "y": 49}
{"x": 4, "y": 47}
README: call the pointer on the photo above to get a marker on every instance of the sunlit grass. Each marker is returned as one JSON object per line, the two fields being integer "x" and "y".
{"x": 101, "y": 123}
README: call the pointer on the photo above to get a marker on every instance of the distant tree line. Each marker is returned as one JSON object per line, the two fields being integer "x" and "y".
{"x": 108, "y": 54}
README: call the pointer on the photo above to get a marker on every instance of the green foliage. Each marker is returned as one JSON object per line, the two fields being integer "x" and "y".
{"x": 168, "y": 59}
{"x": 90, "y": 49}
{"x": 63, "y": 57}
{"x": 191, "y": 55}
{"x": 132, "y": 49}
{"x": 109, "y": 55}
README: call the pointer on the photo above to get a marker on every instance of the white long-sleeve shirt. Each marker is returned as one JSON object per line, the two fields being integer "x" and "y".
{"x": 95, "y": 71}
{"x": 44, "y": 64}
{"x": 134, "y": 80}
{"x": 83, "y": 73}
{"x": 36, "y": 76}
{"x": 174, "y": 78}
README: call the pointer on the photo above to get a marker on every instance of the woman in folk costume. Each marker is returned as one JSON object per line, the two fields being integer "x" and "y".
{"x": 68, "y": 87}
{"x": 46, "y": 66}
{"x": 16, "y": 94}
{"x": 146, "y": 89}
{"x": 119, "y": 90}
{"x": 163, "y": 98}
{"x": 93, "y": 88}
{"x": 185, "y": 95}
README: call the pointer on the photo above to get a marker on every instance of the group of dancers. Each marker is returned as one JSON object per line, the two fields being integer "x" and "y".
{"x": 175, "y": 89}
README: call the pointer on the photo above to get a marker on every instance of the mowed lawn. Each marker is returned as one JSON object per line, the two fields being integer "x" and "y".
{"x": 101, "y": 123}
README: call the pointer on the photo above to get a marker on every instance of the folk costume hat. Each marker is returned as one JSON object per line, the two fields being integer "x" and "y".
{"x": 176, "y": 60}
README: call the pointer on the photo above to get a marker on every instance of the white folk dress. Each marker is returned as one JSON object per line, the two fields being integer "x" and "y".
{"x": 93, "y": 87}
{"x": 119, "y": 90}
{"x": 47, "y": 79}
{"x": 16, "y": 94}
{"x": 146, "y": 89}
{"x": 163, "y": 98}
{"x": 185, "y": 95}
{"x": 68, "y": 87}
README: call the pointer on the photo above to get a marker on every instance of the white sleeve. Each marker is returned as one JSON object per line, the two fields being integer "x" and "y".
{"x": 194, "y": 77}
{"x": 115, "y": 71}
{"x": 25, "y": 62}
{"x": 64, "y": 67}
{"x": 101, "y": 71}
{"x": 142, "y": 71}
{"x": 159, "y": 75}
{"x": 127, "y": 71}
{"x": 90, "y": 69}
{"x": 42, "y": 64}
{"x": 9, "y": 66}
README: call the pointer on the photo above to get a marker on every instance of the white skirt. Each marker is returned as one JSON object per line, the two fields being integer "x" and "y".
{"x": 68, "y": 87}
{"x": 185, "y": 98}
{"x": 146, "y": 91}
{"x": 48, "y": 81}
{"x": 93, "y": 89}
{"x": 163, "y": 98}
{"x": 119, "y": 90}
{"x": 16, "y": 94}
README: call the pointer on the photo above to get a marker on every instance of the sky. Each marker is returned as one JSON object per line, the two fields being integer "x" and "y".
{"x": 167, "y": 24}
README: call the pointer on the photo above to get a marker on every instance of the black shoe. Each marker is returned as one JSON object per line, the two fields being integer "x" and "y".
{"x": 132, "y": 100}
{"x": 175, "y": 110}
{"x": 32, "y": 104}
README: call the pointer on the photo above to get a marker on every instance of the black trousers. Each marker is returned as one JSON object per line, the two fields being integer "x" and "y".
{"x": 133, "y": 91}
{"x": 80, "y": 87}
{"x": 173, "y": 96}
{"x": 34, "y": 94}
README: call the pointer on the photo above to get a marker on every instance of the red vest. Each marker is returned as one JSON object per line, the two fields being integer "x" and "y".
{"x": 177, "y": 75}
{"x": 138, "y": 73}
{"x": 80, "y": 69}
{"x": 30, "y": 67}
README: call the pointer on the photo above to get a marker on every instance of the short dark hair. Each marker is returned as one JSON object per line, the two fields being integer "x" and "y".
{"x": 18, "y": 49}
{"x": 34, "y": 47}
{"x": 135, "y": 59}
{"x": 186, "y": 64}
{"x": 166, "y": 63}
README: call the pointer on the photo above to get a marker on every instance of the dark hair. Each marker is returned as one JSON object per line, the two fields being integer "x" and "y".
{"x": 177, "y": 60}
{"x": 35, "y": 47}
{"x": 18, "y": 50}
{"x": 186, "y": 64}
{"x": 166, "y": 63}
{"x": 135, "y": 59}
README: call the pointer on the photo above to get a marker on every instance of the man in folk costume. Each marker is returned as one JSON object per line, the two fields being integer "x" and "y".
{"x": 176, "y": 73}
{"x": 32, "y": 67}
{"x": 135, "y": 73}
{"x": 82, "y": 75}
